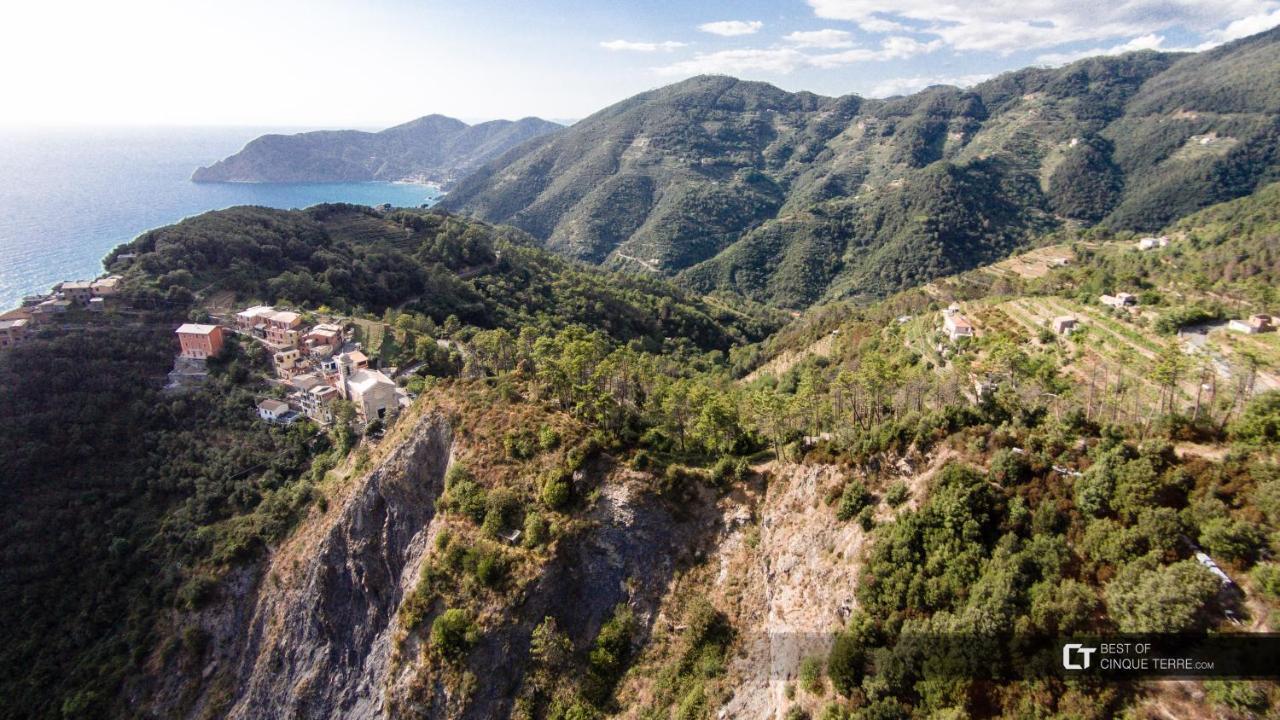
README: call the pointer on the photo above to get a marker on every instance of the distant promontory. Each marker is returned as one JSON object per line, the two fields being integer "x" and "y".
{"x": 434, "y": 148}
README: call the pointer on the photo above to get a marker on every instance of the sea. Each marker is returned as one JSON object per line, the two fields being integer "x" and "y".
{"x": 69, "y": 195}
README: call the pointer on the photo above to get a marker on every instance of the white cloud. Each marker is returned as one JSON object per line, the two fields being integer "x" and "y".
{"x": 777, "y": 61}
{"x": 1245, "y": 27}
{"x": 623, "y": 45}
{"x": 820, "y": 39}
{"x": 784, "y": 60}
{"x": 907, "y": 85}
{"x": 732, "y": 28}
{"x": 1146, "y": 42}
{"x": 880, "y": 25}
{"x": 1007, "y": 26}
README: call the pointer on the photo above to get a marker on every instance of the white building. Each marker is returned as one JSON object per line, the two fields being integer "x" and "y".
{"x": 957, "y": 326}
{"x": 1151, "y": 243}
{"x": 273, "y": 410}
{"x": 373, "y": 394}
{"x": 1119, "y": 300}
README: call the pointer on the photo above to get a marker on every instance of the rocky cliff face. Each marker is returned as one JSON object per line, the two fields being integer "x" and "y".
{"x": 319, "y": 644}
{"x": 309, "y": 634}
{"x": 316, "y": 632}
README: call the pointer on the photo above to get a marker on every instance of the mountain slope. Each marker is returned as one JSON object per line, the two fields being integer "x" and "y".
{"x": 434, "y": 148}
{"x": 791, "y": 197}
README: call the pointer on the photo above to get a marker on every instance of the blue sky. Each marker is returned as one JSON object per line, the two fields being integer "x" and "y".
{"x": 335, "y": 63}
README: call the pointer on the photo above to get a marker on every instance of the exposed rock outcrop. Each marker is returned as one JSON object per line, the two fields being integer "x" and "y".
{"x": 319, "y": 643}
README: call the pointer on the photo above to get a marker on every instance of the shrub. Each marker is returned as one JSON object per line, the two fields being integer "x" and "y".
{"x": 1146, "y": 598}
{"x": 490, "y": 567}
{"x": 897, "y": 494}
{"x": 463, "y": 495}
{"x": 853, "y": 499}
{"x": 1238, "y": 695}
{"x": 1008, "y": 468}
{"x": 845, "y": 663}
{"x": 1267, "y": 577}
{"x": 835, "y": 712}
{"x": 1170, "y": 322}
{"x": 197, "y": 592}
{"x": 557, "y": 490}
{"x": 453, "y": 633}
{"x": 1231, "y": 539}
{"x": 548, "y": 438}
{"x": 642, "y": 460}
{"x": 1259, "y": 424}
{"x": 519, "y": 444}
{"x": 535, "y": 530}
{"x": 867, "y": 518}
{"x": 502, "y": 512}
{"x": 811, "y": 675}
{"x": 610, "y": 655}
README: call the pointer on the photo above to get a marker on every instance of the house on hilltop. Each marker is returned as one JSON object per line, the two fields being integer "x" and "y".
{"x": 1119, "y": 300}
{"x": 1253, "y": 325}
{"x": 282, "y": 328}
{"x": 276, "y": 411}
{"x": 373, "y": 394}
{"x": 13, "y": 331}
{"x": 1064, "y": 325}
{"x": 956, "y": 326}
{"x": 199, "y": 342}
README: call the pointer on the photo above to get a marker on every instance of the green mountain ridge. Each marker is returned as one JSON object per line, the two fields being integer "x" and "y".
{"x": 434, "y": 148}
{"x": 793, "y": 197}
{"x": 621, "y": 424}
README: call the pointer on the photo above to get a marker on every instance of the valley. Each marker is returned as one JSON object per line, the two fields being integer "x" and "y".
{"x": 723, "y": 402}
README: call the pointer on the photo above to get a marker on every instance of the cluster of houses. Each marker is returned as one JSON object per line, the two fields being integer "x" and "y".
{"x": 318, "y": 365}
{"x": 17, "y": 324}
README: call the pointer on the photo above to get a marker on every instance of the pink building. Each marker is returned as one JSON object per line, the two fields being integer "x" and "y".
{"x": 282, "y": 328}
{"x": 199, "y": 341}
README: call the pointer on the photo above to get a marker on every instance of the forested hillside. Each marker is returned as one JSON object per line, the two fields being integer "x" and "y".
{"x": 993, "y": 417}
{"x": 792, "y": 197}
{"x": 123, "y": 503}
{"x": 612, "y": 497}
{"x": 434, "y": 148}
{"x": 429, "y": 263}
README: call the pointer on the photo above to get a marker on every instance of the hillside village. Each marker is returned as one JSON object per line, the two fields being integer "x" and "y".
{"x": 316, "y": 366}
{"x": 92, "y": 296}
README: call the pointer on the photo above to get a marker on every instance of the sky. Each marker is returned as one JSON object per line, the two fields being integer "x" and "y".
{"x": 375, "y": 63}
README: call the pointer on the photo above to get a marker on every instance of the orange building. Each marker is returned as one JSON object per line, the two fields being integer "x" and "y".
{"x": 199, "y": 341}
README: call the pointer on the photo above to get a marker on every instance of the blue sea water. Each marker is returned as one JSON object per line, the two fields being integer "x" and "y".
{"x": 67, "y": 196}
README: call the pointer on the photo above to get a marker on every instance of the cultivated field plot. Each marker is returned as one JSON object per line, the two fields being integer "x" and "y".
{"x": 1235, "y": 350}
{"x": 1035, "y": 263}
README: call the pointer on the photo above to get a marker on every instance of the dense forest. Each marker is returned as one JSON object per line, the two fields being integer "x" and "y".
{"x": 792, "y": 198}
{"x": 615, "y": 494}
{"x": 157, "y": 502}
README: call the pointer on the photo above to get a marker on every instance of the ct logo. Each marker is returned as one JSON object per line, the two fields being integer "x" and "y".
{"x": 1076, "y": 649}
